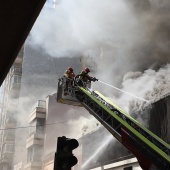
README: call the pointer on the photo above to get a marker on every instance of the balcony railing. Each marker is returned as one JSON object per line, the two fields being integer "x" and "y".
{"x": 15, "y": 86}
{"x": 40, "y": 103}
{"x": 35, "y": 139}
{"x": 38, "y": 112}
{"x": 16, "y": 71}
{"x": 47, "y": 158}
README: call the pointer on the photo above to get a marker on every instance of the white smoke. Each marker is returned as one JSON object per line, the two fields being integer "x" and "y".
{"x": 126, "y": 39}
{"x": 130, "y": 48}
{"x": 83, "y": 125}
{"x": 151, "y": 85}
{"x": 137, "y": 87}
{"x": 77, "y": 26}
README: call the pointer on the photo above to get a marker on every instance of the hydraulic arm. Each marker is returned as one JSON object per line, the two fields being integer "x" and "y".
{"x": 150, "y": 150}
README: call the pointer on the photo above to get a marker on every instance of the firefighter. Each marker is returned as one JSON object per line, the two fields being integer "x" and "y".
{"x": 69, "y": 75}
{"x": 84, "y": 76}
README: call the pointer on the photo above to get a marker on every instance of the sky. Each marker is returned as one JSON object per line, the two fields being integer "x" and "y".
{"x": 50, "y": 3}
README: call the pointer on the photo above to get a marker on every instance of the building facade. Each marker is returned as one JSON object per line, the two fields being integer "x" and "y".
{"x": 9, "y": 98}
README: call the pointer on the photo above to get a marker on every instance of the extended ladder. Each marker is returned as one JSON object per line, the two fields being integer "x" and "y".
{"x": 148, "y": 148}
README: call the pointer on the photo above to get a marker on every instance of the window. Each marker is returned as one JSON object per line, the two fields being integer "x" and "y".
{"x": 40, "y": 125}
{"x": 8, "y": 148}
{"x": 16, "y": 79}
{"x": 32, "y": 128}
{"x": 37, "y": 126}
{"x": 41, "y": 103}
{"x": 30, "y": 155}
{"x": 17, "y": 69}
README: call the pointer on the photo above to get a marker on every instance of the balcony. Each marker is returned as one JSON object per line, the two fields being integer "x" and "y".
{"x": 40, "y": 103}
{"x": 18, "y": 166}
{"x": 15, "y": 86}
{"x": 16, "y": 71}
{"x": 38, "y": 112}
{"x": 33, "y": 166}
{"x": 48, "y": 159}
{"x": 35, "y": 139}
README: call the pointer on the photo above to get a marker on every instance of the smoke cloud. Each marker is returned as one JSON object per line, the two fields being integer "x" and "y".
{"x": 83, "y": 125}
{"x": 151, "y": 85}
{"x": 129, "y": 42}
{"x": 78, "y": 26}
{"x": 121, "y": 36}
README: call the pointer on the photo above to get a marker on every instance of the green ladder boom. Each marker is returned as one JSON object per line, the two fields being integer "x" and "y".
{"x": 149, "y": 149}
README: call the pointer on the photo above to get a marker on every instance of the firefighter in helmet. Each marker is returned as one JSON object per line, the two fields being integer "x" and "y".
{"x": 84, "y": 76}
{"x": 69, "y": 75}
